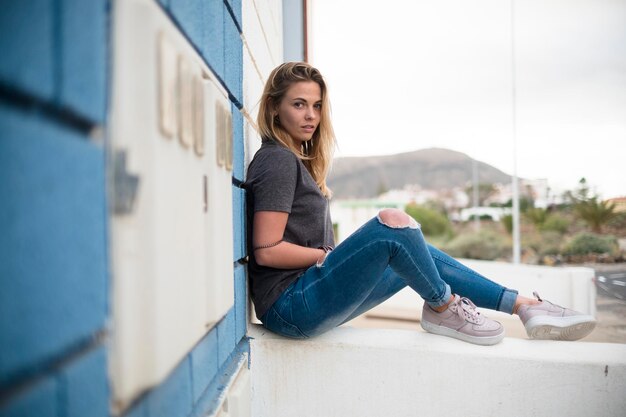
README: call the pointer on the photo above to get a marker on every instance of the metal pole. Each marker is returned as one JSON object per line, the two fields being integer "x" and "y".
{"x": 515, "y": 188}
{"x": 475, "y": 193}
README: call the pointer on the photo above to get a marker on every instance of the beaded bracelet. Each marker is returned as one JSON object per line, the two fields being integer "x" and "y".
{"x": 269, "y": 245}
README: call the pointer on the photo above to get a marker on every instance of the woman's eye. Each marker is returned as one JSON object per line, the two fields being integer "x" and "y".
{"x": 298, "y": 105}
{"x": 318, "y": 106}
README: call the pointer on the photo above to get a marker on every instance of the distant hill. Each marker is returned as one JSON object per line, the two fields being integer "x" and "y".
{"x": 434, "y": 168}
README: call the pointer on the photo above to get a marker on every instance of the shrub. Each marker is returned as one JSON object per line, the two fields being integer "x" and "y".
{"x": 536, "y": 216}
{"x": 544, "y": 243}
{"x": 586, "y": 243}
{"x": 433, "y": 222}
{"x": 507, "y": 221}
{"x": 555, "y": 223}
{"x": 484, "y": 244}
{"x": 618, "y": 222}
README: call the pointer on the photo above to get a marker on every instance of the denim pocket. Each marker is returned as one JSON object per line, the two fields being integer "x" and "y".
{"x": 274, "y": 322}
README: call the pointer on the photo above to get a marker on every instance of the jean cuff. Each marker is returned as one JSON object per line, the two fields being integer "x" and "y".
{"x": 443, "y": 300}
{"x": 507, "y": 303}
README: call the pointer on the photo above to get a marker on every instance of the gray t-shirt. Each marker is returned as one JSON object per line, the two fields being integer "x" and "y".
{"x": 278, "y": 181}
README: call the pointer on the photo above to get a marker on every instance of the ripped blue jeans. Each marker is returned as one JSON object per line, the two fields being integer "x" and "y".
{"x": 367, "y": 268}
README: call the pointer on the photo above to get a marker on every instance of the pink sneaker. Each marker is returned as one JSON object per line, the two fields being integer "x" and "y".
{"x": 547, "y": 321}
{"x": 462, "y": 321}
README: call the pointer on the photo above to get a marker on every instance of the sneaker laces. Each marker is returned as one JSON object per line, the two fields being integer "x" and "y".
{"x": 466, "y": 310}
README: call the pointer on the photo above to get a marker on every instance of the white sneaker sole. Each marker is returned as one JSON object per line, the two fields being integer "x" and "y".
{"x": 477, "y": 340}
{"x": 559, "y": 328}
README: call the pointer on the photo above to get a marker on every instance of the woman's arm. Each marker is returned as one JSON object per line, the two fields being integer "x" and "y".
{"x": 269, "y": 227}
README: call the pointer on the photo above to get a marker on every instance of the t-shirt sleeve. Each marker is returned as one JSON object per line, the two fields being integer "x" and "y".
{"x": 274, "y": 183}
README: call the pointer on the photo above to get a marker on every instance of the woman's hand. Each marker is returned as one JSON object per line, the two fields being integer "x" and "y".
{"x": 269, "y": 227}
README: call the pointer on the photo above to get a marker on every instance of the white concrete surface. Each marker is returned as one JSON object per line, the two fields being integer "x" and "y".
{"x": 364, "y": 372}
{"x": 567, "y": 286}
{"x": 262, "y": 52}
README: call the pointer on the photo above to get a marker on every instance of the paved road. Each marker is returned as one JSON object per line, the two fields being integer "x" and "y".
{"x": 610, "y": 303}
{"x": 611, "y": 280}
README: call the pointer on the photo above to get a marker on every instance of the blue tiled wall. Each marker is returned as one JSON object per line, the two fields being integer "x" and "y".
{"x": 53, "y": 211}
{"x": 52, "y": 245}
{"x": 77, "y": 389}
{"x": 82, "y": 60}
{"x": 27, "y": 43}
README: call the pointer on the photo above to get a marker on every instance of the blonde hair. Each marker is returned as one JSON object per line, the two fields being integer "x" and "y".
{"x": 317, "y": 153}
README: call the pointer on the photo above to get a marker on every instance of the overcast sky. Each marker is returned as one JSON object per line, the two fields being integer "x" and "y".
{"x": 413, "y": 74}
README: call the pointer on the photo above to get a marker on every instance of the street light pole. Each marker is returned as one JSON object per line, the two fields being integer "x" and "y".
{"x": 515, "y": 187}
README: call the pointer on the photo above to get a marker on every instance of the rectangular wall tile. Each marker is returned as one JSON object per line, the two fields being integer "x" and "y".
{"x": 85, "y": 385}
{"x": 239, "y": 224}
{"x": 189, "y": 15}
{"x": 238, "y": 147}
{"x": 137, "y": 410}
{"x": 241, "y": 302}
{"x": 173, "y": 397}
{"x": 83, "y": 59}
{"x": 53, "y": 241}
{"x": 235, "y": 6}
{"x": 213, "y": 42}
{"x": 39, "y": 399}
{"x": 226, "y": 337}
{"x": 233, "y": 59}
{"x": 204, "y": 365}
{"x": 27, "y": 45}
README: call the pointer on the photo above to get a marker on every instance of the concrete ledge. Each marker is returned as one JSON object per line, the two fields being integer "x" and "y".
{"x": 567, "y": 286}
{"x": 365, "y": 372}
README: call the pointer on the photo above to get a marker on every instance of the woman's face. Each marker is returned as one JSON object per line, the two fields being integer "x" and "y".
{"x": 300, "y": 110}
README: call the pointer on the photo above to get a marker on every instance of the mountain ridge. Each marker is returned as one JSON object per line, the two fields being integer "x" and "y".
{"x": 430, "y": 168}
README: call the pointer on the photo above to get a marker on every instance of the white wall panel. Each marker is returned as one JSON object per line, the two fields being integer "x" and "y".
{"x": 262, "y": 32}
{"x": 171, "y": 239}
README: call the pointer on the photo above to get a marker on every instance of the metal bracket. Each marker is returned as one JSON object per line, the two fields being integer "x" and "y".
{"x": 125, "y": 185}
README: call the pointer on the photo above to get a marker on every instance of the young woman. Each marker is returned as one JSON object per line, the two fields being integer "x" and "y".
{"x": 302, "y": 285}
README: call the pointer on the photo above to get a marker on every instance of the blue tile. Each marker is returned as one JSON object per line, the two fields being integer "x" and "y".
{"x": 213, "y": 43}
{"x": 226, "y": 337}
{"x": 137, "y": 410}
{"x": 174, "y": 396}
{"x": 235, "y": 6}
{"x": 241, "y": 302}
{"x": 238, "y": 145}
{"x": 53, "y": 242}
{"x": 204, "y": 364}
{"x": 85, "y": 385}
{"x": 27, "y": 45}
{"x": 233, "y": 60}
{"x": 239, "y": 230}
{"x": 83, "y": 59}
{"x": 39, "y": 400}
{"x": 189, "y": 15}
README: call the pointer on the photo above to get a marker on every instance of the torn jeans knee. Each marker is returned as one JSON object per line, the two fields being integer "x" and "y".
{"x": 400, "y": 220}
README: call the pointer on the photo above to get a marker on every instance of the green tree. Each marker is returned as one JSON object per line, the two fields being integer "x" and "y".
{"x": 595, "y": 213}
{"x": 485, "y": 191}
{"x": 433, "y": 222}
{"x": 525, "y": 203}
{"x": 590, "y": 208}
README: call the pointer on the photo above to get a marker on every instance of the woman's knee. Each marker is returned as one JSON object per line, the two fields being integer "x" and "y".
{"x": 397, "y": 219}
